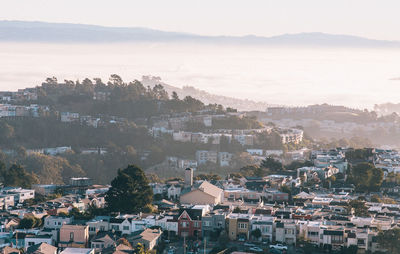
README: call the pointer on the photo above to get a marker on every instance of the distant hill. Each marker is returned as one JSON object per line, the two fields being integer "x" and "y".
{"x": 205, "y": 97}
{"x": 25, "y": 31}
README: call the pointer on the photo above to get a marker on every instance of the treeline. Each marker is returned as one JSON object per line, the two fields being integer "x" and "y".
{"x": 48, "y": 132}
{"x": 115, "y": 97}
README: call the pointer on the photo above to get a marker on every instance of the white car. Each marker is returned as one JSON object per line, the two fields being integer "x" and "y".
{"x": 256, "y": 249}
{"x": 278, "y": 246}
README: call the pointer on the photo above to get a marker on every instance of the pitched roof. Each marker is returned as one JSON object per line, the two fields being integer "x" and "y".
{"x": 150, "y": 234}
{"x": 210, "y": 189}
{"x": 9, "y": 250}
{"x": 42, "y": 248}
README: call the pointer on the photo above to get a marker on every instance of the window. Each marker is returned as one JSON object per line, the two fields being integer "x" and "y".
{"x": 31, "y": 243}
{"x": 115, "y": 227}
{"x": 196, "y": 224}
{"x": 92, "y": 229}
{"x": 337, "y": 239}
{"x": 243, "y": 225}
{"x": 102, "y": 228}
{"x": 184, "y": 224}
{"x": 289, "y": 231}
{"x": 71, "y": 236}
{"x": 125, "y": 228}
{"x": 206, "y": 223}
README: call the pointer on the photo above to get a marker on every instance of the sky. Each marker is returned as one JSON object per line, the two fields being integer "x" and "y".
{"x": 375, "y": 19}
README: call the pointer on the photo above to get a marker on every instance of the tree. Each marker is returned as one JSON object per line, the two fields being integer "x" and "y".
{"x": 390, "y": 239}
{"x": 236, "y": 210}
{"x": 124, "y": 241}
{"x": 253, "y": 170}
{"x": 299, "y": 164}
{"x": 130, "y": 191}
{"x": 271, "y": 164}
{"x": 366, "y": 177}
{"x": 6, "y": 132}
{"x": 359, "y": 208}
{"x": 256, "y": 233}
{"x": 17, "y": 176}
{"x": 375, "y": 198}
{"x": 140, "y": 249}
{"x": 30, "y": 222}
{"x": 175, "y": 96}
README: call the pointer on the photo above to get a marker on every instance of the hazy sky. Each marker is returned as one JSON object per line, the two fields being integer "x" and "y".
{"x": 377, "y": 19}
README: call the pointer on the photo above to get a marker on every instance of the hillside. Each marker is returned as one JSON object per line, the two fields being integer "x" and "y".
{"x": 205, "y": 97}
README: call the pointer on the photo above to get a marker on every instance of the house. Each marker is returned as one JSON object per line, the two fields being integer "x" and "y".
{"x": 20, "y": 195}
{"x": 266, "y": 226}
{"x": 164, "y": 205}
{"x": 18, "y": 239}
{"x": 390, "y": 188}
{"x": 173, "y": 191}
{"x": 244, "y": 140}
{"x": 258, "y": 152}
{"x": 213, "y": 223}
{"x": 122, "y": 225}
{"x": 182, "y": 136}
{"x": 9, "y": 224}
{"x": 41, "y": 248}
{"x": 6, "y": 201}
{"x": 189, "y": 222}
{"x": 102, "y": 241}
{"x": 149, "y": 238}
{"x": 224, "y": 159}
{"x": 31, "y": 240}
{"x": 9, "y": 250}
{"x": 76, "y": 236}
{"x": 98, "y": 224}
{"x": 206, "y": 193}
{"x": 272, "y": 195}
{"x": 80, "y": 181}
{"x": 286, "y": 232}
{"x": 70, "y": 250}
{"x": 238, "y": 226}
{"x": 120, "y": 249}
{"x": 203, "y": 156}
{"x": 169, "y": 224}
{"x": 334, "y": 237}
{"x": 68, "y": 117}
{"x": 157, "y": 188}
{"x": 56, "y": 222}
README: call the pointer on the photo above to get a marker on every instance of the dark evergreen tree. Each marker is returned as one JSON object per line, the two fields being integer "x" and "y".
{"x": 130, "y": 191}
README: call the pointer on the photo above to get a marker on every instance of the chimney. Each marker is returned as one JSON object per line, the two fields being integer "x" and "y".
{"x": 188, "y": 177}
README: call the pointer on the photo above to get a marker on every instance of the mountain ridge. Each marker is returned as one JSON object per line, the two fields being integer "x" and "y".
{"x": 37, "y": 31}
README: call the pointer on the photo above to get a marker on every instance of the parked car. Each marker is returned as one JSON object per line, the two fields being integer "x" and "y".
{"x": 256, "y": 249}
{"x": 249, "y": 244}
{"x": 275, "y": 251}
{"x": 278, "y": 246}
{"x": 171, "y": 250}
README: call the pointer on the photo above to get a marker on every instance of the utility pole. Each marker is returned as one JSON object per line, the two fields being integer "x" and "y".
{"x": 184, "y": 244}
{"x": 205, "y": 240}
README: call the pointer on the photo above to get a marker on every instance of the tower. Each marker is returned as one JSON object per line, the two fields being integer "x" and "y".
{"x": 188, "y": 177}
